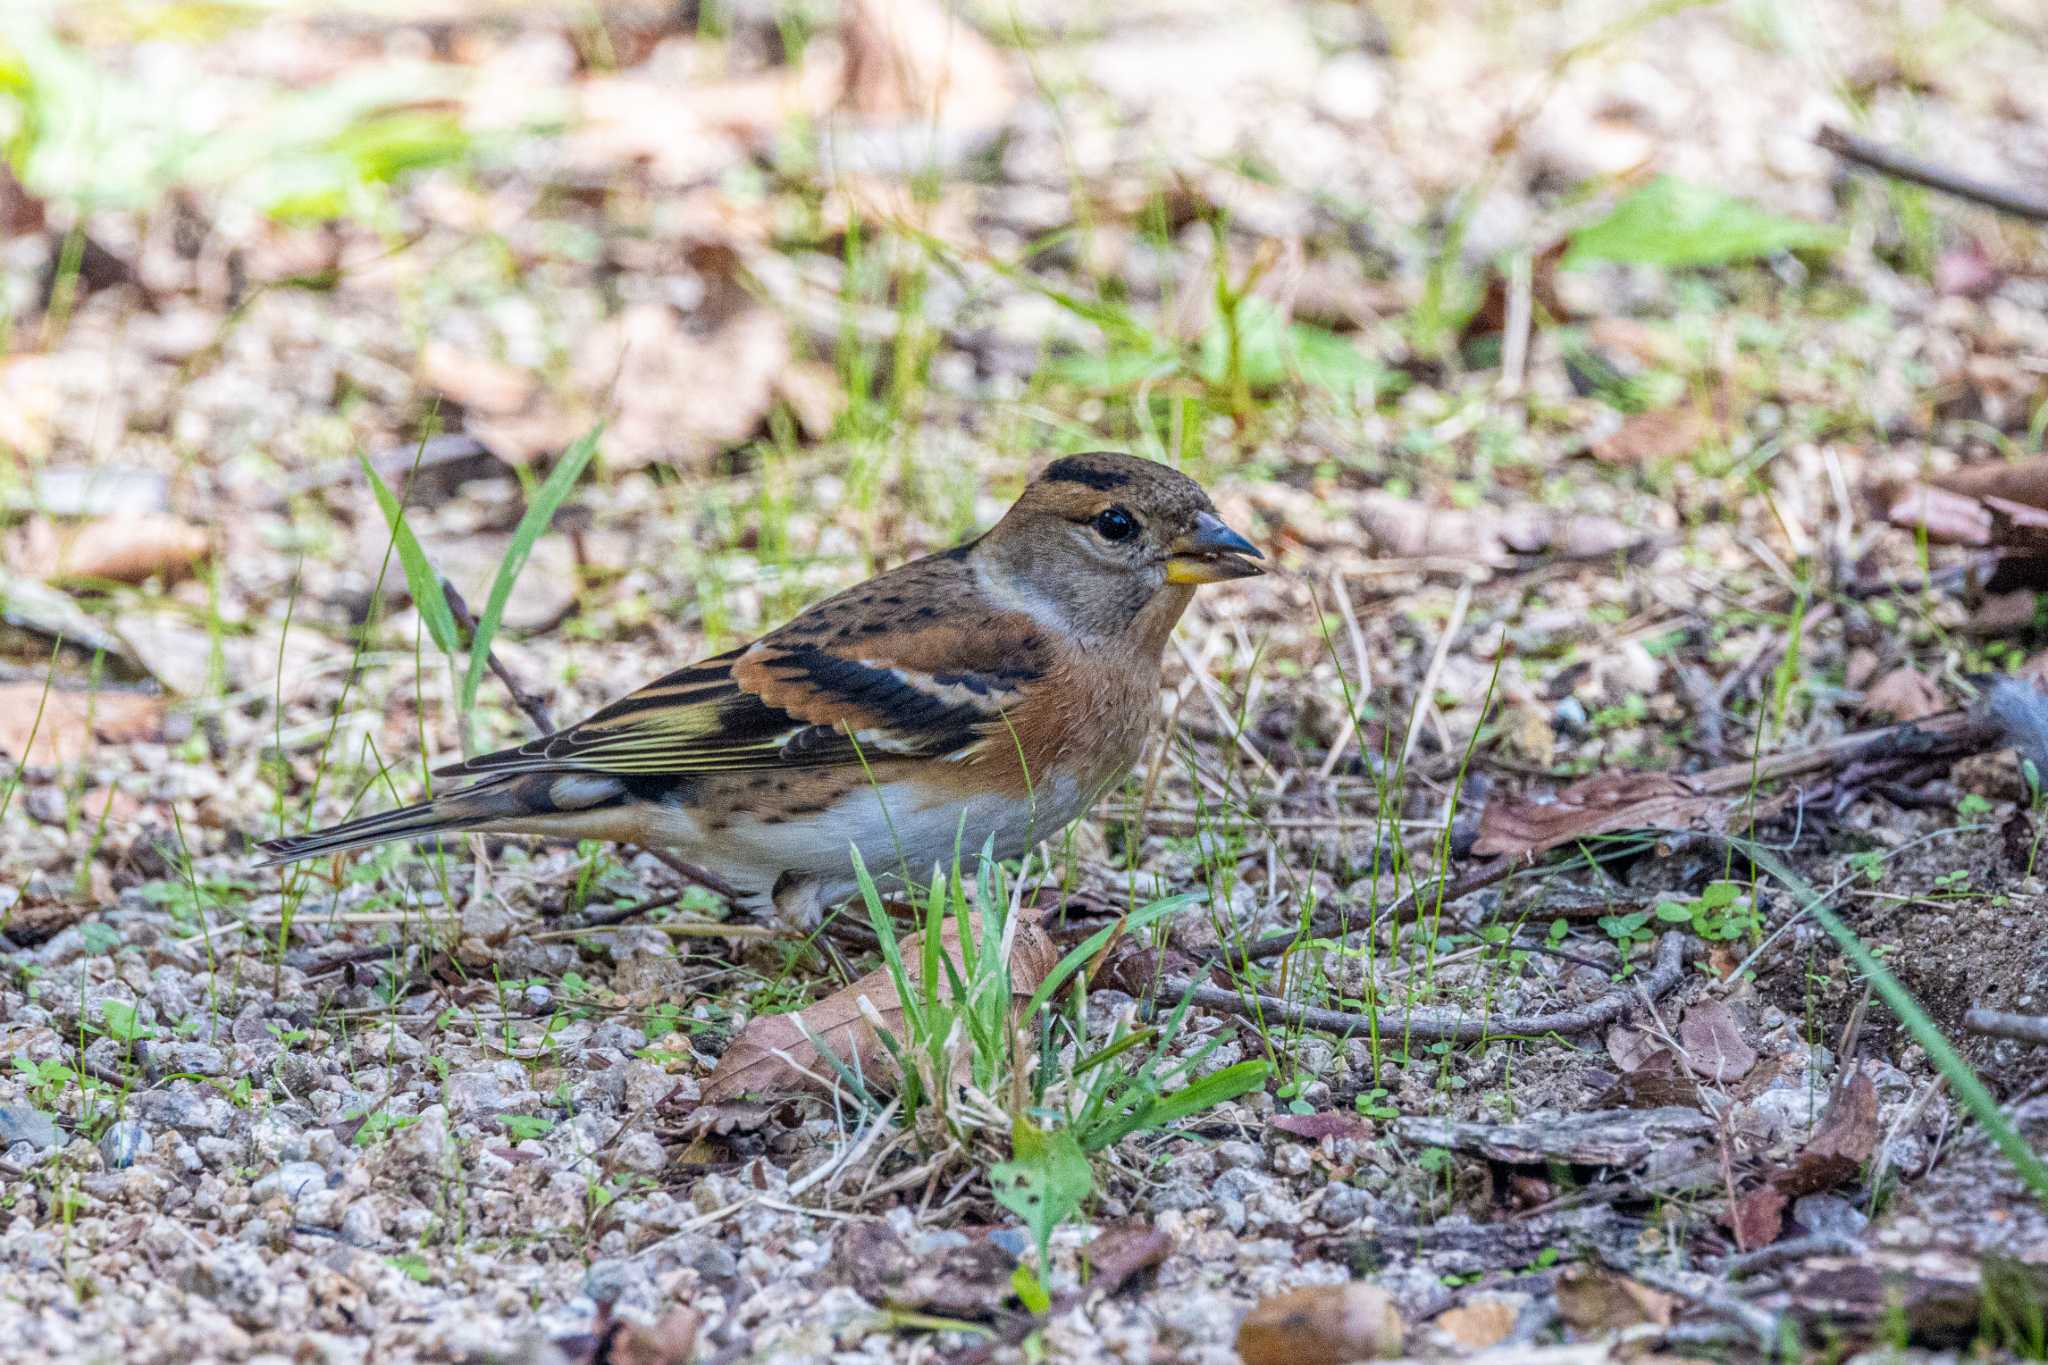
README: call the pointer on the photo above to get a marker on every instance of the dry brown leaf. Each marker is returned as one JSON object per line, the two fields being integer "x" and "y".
{"x": 1598, "y": 805}
{"x": 1842, "y": 1141}
{"x": 1905, "y": 693}
{"x": 1646, "y": 437}
{"x": 2021, "y": 481}
{"x": 1714, "y": 1045}
{"x": 1315, "y": 1127}
{"x": 1479, "y": 1324}
{"x": 1966, "y": 270}
{"x": 1947, "y": 518}
{"x": 127, "y": 549}
{"x": 759, "y": 107}
{"x": 970, "y": 1281}
{"x": 1998, "y": 614}
{"x": 1758, "y": 1217}
{"x": 671, "y": 1341}
{"x": 1328, "y": 1324}
{"x": 479, "y": 383}
{"x": 1657, "y": 1081}
{"x": 915, "y": 61}
{"x": 774, "y": 1055}
{"x": 1122, "y": 1251}
{"x": 1596, "y": 1302}
{"x": 67, "y": 726}
{"x": 812, "y": 390}
{"x": 1632, "y": 1048}
{"x": 640, "y": 121}
{"x": 683, "y": 395}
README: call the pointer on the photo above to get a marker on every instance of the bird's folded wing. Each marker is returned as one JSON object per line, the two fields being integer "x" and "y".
{"x": 791, "y": 701}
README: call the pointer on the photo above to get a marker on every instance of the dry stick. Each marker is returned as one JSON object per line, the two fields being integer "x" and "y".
{"x": 1445, "y": 1025}
{"x": 1952, "y": 732}
{"x": 523, "y": 697}
{"x": 1762, "y": 1327}
{"x": 1361, "y": 686}
{"x": 1424, "y": 707}
{"x": 2020, "y": 1028}
{"x": 2021, "y": 203}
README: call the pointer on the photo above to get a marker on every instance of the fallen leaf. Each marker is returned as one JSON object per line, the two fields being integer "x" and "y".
{"x": 1315, "y": 1127}
{"x": 1967, "y": 271}
{"x": 916, "y": 61}
{"x": 814, "y": 395}
{"x": 773, "y": 1054}
{"x": 1329, "y": 1324}
{"x": 1479, "y": 1324}
{"x": 1655, "y": 1082}
{"x": 1998, "y": 614}
{"x": 43, "y": 731}
{"x": 1122, "y": 1251}
{"x": 1662, "y": 434}
{"x": 1631, "y": 1048}
{"x": 2022, "y": 481}
{"x": 33, "y": 920}
{"x": 1714, "y": 1045}
{"x": 1946, "y": 517}
{"x": 1602, "y": 804}
{"x": 671, "y": 1341}
{"x": 1905, "y": 693}
{"x": 1597, "y": 1302}
{"x": 640, "y": 121}
{"x": 683, "y": 395}
{"x": 479, "y": 383}
{"x": 970, "y": 1280}
{"x": 1842, "y": 1141}
{"x": 21, "y": 213}
{"x": 1758, "y": 1217}
{"x": 127, "y": 549}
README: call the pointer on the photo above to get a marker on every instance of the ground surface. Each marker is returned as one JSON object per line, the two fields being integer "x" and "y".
{"x": 1532, "y": 522}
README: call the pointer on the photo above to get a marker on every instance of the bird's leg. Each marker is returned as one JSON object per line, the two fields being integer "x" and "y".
{"x": 695, "y": 875}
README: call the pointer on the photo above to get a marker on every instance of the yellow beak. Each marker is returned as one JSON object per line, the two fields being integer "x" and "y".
{"x": 1211, "y": 553}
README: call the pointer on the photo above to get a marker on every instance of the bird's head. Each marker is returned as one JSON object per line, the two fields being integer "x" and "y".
{"x": 1106, "y": 540}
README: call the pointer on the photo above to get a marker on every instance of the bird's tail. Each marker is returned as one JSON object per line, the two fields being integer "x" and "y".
{"x": 517, "y": 803}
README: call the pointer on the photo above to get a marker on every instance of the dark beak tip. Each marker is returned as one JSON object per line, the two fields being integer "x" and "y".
{"x": 1213, "y": 535}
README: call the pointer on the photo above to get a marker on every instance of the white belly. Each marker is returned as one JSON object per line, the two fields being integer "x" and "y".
{"x": 902, "y": 834}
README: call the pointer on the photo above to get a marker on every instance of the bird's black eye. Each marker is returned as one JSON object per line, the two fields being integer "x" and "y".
{"x": 1114, "y": 523}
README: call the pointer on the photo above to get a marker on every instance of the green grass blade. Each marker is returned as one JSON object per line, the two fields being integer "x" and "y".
{"x": 539, "y": 513}
{"x": 1208, "y": 1092}
{"x": 1092, "y": 945}
{"x": 420, "y": 577}
{"x": 1962, "y": 1079}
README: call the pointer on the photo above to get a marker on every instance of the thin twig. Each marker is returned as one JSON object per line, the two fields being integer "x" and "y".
{"x": 522, "y": 696}
{"x": 1424, "y": 707}
{"x": 2021, "y": 1028}
{"x": 2021, "y": 203}
{"x": 1432, "y": 1024}
{"x": 1744, "y": 1263}
{"x": 1762, "y": 1327}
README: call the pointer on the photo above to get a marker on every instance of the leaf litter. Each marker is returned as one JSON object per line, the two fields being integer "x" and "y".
{"x": 833, "y": 283}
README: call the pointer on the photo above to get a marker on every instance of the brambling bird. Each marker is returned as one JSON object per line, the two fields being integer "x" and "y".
{"x": 990, "y": 691}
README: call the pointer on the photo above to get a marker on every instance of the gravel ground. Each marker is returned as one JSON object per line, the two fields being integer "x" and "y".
{"x": 418, "y": 1108}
